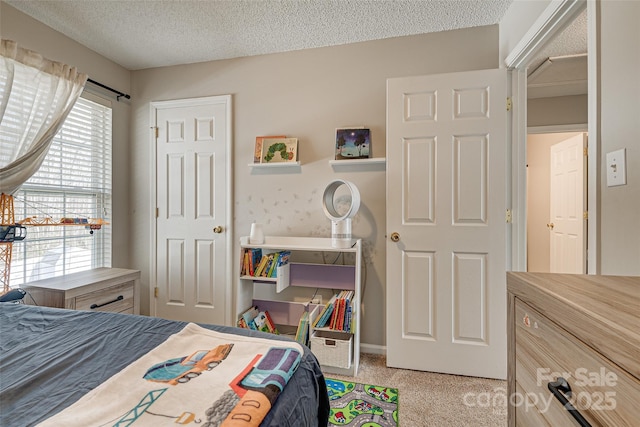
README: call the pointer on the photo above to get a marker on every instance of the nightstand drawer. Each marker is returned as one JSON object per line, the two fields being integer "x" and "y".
{"x": 601, "y": 392}
{"x": 118, "y": 299}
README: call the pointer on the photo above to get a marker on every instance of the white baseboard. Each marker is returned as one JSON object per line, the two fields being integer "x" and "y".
{"x": 373, "y": 349}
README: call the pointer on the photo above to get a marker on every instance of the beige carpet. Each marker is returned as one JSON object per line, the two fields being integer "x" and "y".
{"x": 438, "y": 400}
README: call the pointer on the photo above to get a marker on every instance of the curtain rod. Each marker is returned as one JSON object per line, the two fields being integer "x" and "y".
{"x": 120, "y": 94}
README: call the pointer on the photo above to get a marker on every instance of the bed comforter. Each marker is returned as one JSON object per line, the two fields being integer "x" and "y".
{"x": 51, "y": 358}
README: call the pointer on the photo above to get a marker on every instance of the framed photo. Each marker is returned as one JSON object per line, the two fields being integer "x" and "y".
{"x": 257, "y": 152}
{"x": 279, "y": 150}
{"x": 353, "y": 143}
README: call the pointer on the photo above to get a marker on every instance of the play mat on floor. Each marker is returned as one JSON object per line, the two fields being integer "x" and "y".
{"x": 362, "y": 404}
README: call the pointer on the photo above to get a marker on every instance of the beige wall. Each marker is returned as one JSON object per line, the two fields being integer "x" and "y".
{"x": 620, "y": 128}
{"x": 31, "y": 34}
{"x": 559, "y": 110}
{"x": 305, "y": 94}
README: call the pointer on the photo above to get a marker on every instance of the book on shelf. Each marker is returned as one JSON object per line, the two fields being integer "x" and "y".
{"x": 348, "y": 314}
{"x": 302, "y": 333}
{"x": 244, "y": 266}
{"x": 272, "y": 266}
{"x": 271, "y": 324}
{"x": 250, "y": 259}
{"x": 260, "y": 322}
{"x": 246, "y": 318}
{"x": 336, "y": 311}
{"x": 265, "y": 271}
{"x": 283, "y": 257}
{"x": 254, "y": 259}
{"x": 278, "y": 150}
{"x": 257, "y": 152}
{"x": 263, "y": 262}
{"x": 279, "y": 259}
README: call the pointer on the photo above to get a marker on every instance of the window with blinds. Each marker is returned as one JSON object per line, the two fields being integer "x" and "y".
{"x": 72, "y": 185}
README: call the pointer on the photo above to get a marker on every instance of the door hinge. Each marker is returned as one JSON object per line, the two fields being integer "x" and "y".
{"x": 585, "y": 214}
{"x": 156, "y": 131}
{"x": 155, "y": 292}
{"x": 585, "y": 150}
{"x": 157, "y": 212}
{"x": 508, "y": 216}
{"x": 509, "y": 104}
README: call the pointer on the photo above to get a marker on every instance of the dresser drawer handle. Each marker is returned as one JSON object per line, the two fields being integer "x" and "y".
{"x": 559, "y": 388}
{"x": 120, "y": 298}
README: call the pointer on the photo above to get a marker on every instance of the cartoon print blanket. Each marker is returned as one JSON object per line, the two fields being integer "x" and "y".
{"x": 197, "y": 377}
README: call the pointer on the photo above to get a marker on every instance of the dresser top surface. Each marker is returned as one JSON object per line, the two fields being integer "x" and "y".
{"x": 602, "y": 311}
{"x": 83, "y": 278}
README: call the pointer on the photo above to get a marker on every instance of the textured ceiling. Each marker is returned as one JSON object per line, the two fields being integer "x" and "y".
{"x": 560, "y": 68}
{"x": 140, "y": 34}
{"x": 571, "y": 41}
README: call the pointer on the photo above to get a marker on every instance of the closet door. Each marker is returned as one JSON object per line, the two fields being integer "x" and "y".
{"x": 192, "y": 225}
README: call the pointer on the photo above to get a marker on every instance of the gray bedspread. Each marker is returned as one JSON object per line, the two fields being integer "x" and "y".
{"x": 49, "y": 358}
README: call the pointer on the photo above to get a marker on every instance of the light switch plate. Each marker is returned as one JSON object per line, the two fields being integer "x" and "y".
{"x": 616, "y": 168}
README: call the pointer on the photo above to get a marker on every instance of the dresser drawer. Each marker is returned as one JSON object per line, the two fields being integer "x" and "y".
{"x": 118, "y": 299}
{"x": 527, "y": 411}
{"x": 603, "y": 393}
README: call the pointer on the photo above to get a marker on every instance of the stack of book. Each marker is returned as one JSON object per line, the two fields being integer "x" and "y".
{"x": 257, "y": 320}
{"x": 255, "y": 264}
{"x": 337, "y": 313}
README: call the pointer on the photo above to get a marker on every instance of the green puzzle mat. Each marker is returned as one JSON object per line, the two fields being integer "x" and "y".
{"x": 362, "y": 404}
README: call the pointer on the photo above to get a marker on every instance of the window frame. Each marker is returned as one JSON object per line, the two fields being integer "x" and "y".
{"x": 98, "y": 112}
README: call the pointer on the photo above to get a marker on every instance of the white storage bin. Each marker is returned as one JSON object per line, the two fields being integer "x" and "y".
{"x": 332, "y": 348}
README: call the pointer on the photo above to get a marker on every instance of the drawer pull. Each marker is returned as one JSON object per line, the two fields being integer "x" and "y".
{"x": 120, "y": 298}
{"x": 559, "y": 388}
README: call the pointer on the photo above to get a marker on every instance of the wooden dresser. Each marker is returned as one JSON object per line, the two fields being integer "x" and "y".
{"x": 100, "y": 289}
{"x": 585, "y": 329}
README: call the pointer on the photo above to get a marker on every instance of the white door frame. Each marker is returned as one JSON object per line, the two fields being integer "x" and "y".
{"x": 554, "y": 19}
{"x": 154, "y": 105}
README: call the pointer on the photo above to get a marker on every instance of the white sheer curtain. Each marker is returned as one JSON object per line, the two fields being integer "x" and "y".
{"x": 36, "y": 96}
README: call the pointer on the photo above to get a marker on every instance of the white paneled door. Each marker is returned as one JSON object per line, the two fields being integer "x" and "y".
{"x": 192, "y": 238}
{"x": 567, "y": 223}
{"x": 446, "y": 231}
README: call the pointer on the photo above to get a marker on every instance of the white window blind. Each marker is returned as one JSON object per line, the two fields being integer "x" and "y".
{"x": 74, "y": 182}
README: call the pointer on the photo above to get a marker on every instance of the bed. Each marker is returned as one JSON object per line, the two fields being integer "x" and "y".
{"x": 51, "y": 360}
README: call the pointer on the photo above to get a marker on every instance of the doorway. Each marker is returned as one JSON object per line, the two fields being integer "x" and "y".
{"x": 556, "y": 227}
{"x": 531, "y": 50}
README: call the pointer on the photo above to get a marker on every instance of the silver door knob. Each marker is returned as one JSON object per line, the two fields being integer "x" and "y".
{"x": 217, "y": 229}
{"x": 395, "y": 237}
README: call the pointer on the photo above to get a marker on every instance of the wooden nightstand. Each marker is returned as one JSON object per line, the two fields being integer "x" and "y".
{"x": 101, "y": 289}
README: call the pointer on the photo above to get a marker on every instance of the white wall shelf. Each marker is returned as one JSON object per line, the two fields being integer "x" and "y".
{"x": 372, "y": 164}
{"x": 319, "y": 275}
{"x": 274, "y": 165}
{"x": 370, "y": 161}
